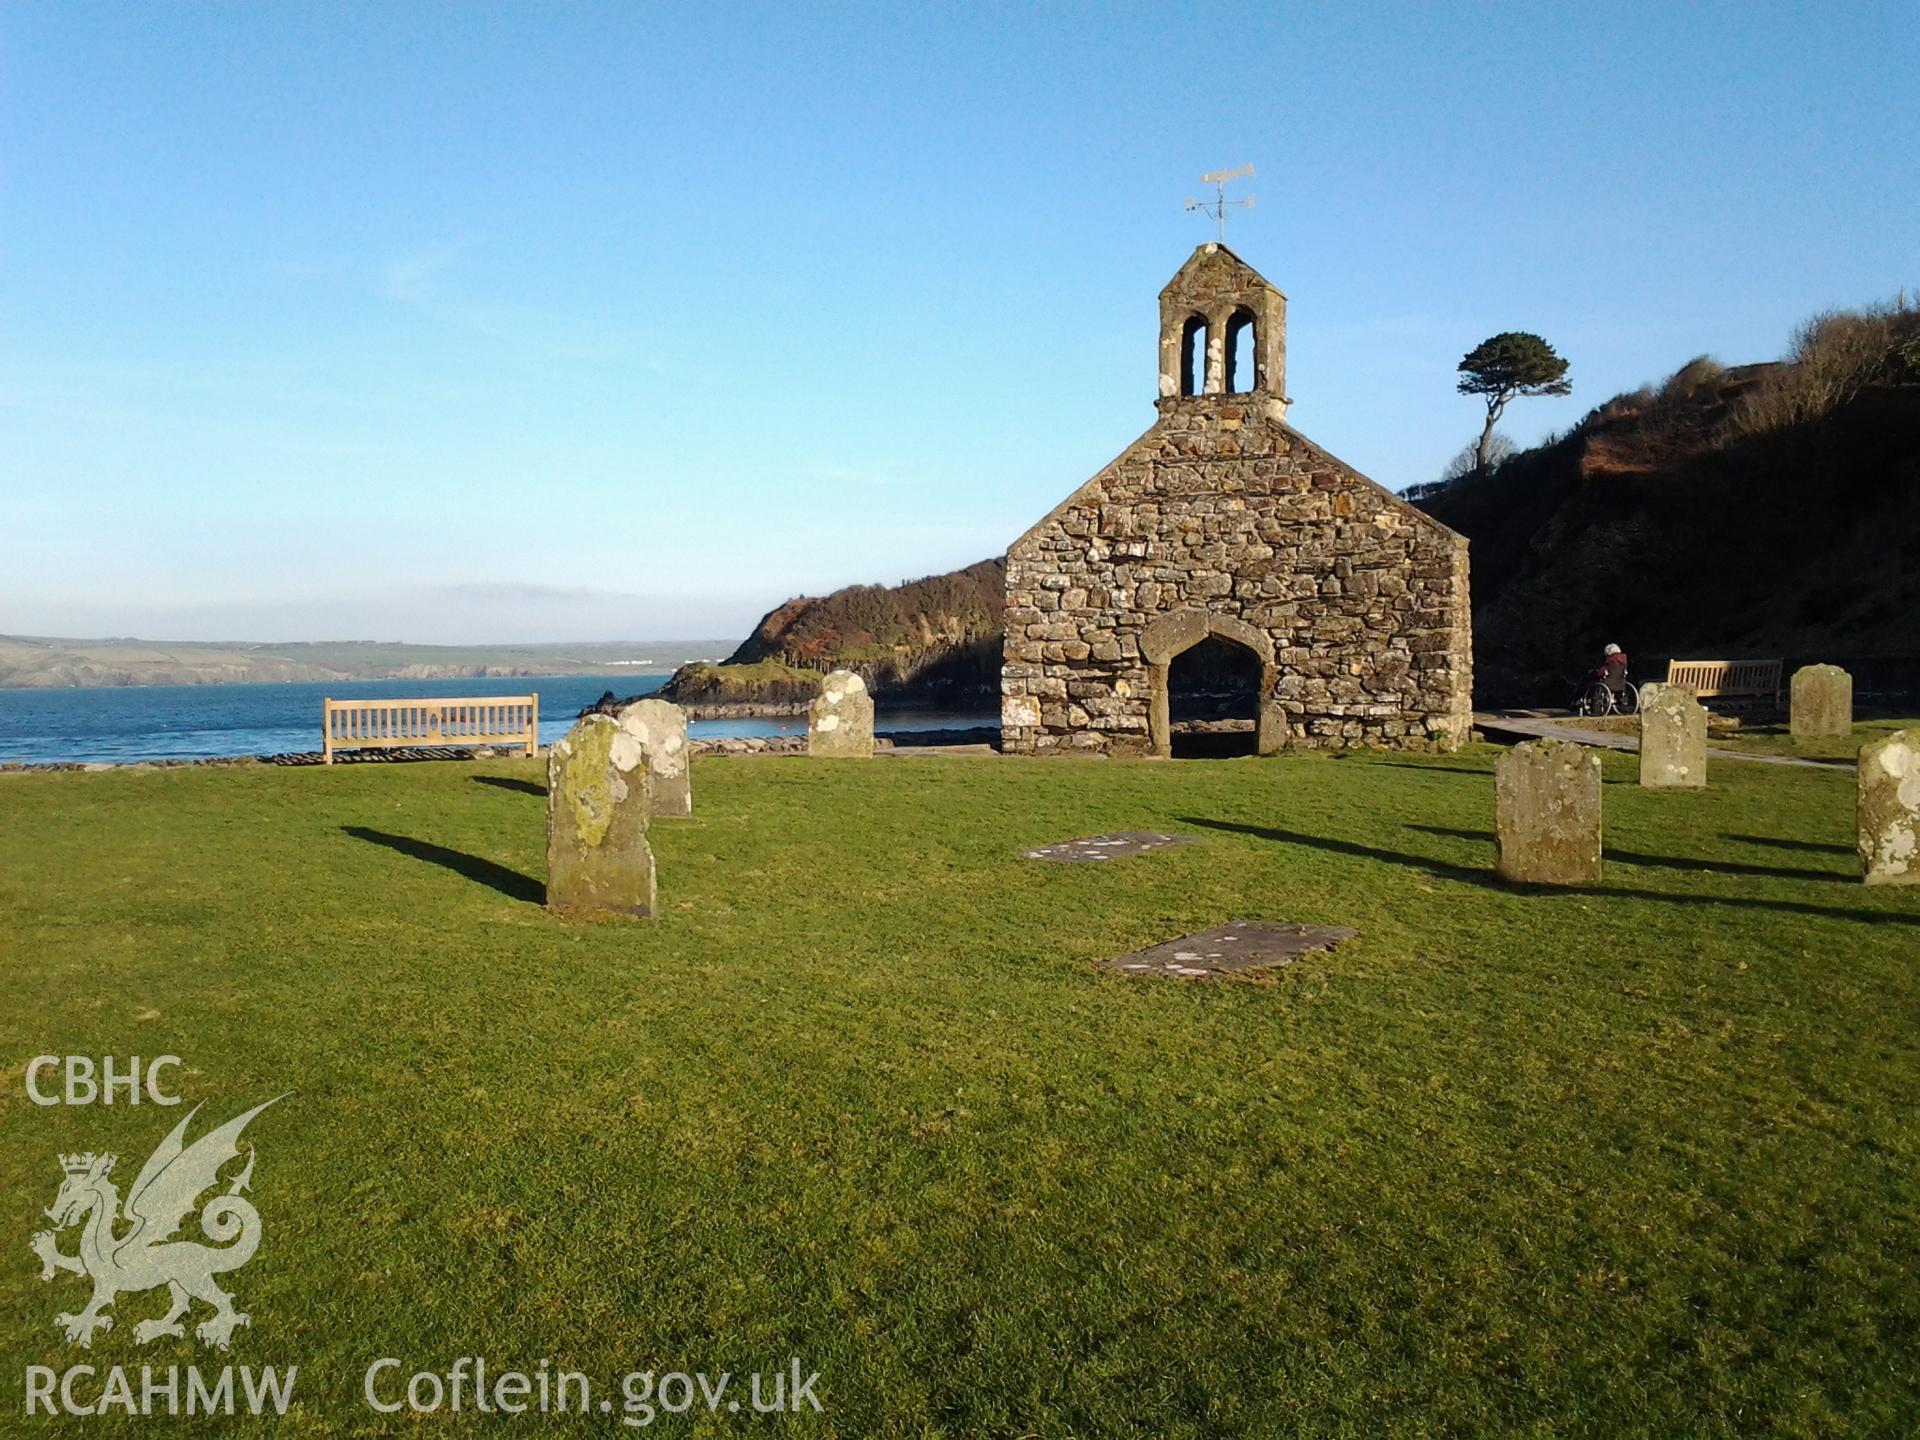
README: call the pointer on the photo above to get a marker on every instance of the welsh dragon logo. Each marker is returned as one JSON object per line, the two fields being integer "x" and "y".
{"x": 143, "y": 1255}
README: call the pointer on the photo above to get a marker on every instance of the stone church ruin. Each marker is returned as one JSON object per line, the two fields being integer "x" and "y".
{"x": 1223, "y": 556}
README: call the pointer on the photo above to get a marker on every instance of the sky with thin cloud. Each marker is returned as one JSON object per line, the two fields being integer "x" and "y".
{"x": 604, "y": 321}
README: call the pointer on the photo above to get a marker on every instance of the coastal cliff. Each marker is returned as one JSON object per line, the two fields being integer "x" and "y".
{"x": 933, "y": 641}
{"x": 1763, "y": 510}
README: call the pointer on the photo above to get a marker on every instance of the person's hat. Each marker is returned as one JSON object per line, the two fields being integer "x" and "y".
{"x": 1611, "y": 650}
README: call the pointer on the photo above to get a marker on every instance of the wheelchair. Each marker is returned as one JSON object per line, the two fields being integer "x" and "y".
{"x": 1598, "y": 697}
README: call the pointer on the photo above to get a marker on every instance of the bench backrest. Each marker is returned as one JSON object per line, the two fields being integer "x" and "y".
{"x": 390, "y": 724}
{"x": 1726, "y": 678}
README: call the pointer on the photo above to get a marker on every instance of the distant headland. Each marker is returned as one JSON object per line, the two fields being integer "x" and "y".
{"x": 36, "y": 662}
{"x": 932, "y": 642}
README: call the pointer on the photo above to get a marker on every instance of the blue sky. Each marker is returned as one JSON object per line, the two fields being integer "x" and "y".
{"x": 569, "y": 321}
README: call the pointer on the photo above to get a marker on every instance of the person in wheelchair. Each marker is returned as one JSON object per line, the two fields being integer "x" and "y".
{"x": 1607, "y": 688}
{"x": 1612, "y": 669}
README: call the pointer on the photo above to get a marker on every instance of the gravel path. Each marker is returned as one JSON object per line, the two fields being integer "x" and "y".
{"x": 1500, "y": 725}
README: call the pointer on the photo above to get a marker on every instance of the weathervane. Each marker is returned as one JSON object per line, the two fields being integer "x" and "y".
{"x": 1217, "y": 207}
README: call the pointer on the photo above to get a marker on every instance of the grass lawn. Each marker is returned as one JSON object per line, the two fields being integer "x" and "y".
{"x": 1635, "y": 1160}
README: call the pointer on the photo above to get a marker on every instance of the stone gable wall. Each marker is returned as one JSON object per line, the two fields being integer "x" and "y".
{"x": 1221, "y": 508}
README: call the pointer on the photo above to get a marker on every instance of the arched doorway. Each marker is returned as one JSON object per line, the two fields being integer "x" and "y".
{"x": 1213, "y": 700}
{"x": 1208, "y": 668}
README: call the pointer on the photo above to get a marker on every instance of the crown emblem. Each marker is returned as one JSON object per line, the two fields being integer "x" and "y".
{"x": 81, "y": 1164}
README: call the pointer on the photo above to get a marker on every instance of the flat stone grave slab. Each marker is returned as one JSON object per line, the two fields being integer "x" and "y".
{"x": 1116, "y": 846}
{"x": 1229, "y": 949}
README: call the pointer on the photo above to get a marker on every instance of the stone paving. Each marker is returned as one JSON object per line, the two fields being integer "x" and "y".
{"x": 1230, "y": 949}
{"x": 1119, "y": 845}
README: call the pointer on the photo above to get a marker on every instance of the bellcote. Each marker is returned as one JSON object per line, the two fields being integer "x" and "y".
{"x": 1223, "y": 331}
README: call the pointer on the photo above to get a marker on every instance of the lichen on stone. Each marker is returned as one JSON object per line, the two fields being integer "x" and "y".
{"x": 585, "y": 775}
{"x": 1888, "y": 817}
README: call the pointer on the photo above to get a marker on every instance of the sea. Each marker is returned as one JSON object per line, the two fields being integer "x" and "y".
{"x": 126, "y": 724}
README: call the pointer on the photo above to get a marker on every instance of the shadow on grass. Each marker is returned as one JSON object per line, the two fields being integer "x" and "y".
{"x": 1457, "y": 770}
{"x": 1731, "y": 867}
{"x": 1488, "y": 880}
{"x": 510, "y": 883}
{"x": 507, "y": 782}
{"x": 1780, "y": 842}
{"x": 1672, "y": 862}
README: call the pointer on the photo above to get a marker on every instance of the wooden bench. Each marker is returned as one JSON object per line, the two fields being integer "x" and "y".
{"x": 1728, "y": 679}
{"x": 398, "y": 724}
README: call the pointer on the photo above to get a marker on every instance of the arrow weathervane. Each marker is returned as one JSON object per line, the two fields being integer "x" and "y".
{"x": 1217, "y": 207}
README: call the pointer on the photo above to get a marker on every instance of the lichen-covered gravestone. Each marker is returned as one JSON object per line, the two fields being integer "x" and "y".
{"x": 1673, "y": 741}
{"x": 661, "y": 729}
{"x": 598, "y": 861}
{"x": 1546, "y": 810}
{"x": 1888, "y": 810}
{"x": 1820, "y": 700}
{"x": 840, "y": 719}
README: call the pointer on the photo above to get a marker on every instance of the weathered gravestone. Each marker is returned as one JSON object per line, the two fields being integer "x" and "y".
{"x": 598, "y": 861}
{"x": 1673, "y": 740}
{"x": 661, "y": 729}
{"x": 1230, "y": 949}
{"x": 840, "y": 718}
{"x": 1115, "y": 845}
{"x": 1888, "y": 811}
{"x": 1546, "y": 811}
{"x": 1820, "y": 702}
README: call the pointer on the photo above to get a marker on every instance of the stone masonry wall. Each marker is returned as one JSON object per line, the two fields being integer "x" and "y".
{"x": 1224, "y": 509}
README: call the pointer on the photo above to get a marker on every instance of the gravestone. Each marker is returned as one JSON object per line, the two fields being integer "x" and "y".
{"x": 1888, "y": 810}
{"x": 1673, "y": 741}
{"x": 1230, "y": 949}
{"x": 598, "y": 861}
{"x": 1546, "y": 811}
{"x": 661, "y": 729}
{"x": 1116, "y": 845}
{"x": 1820, "y": 703}
{"x": 840, "y": 718}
